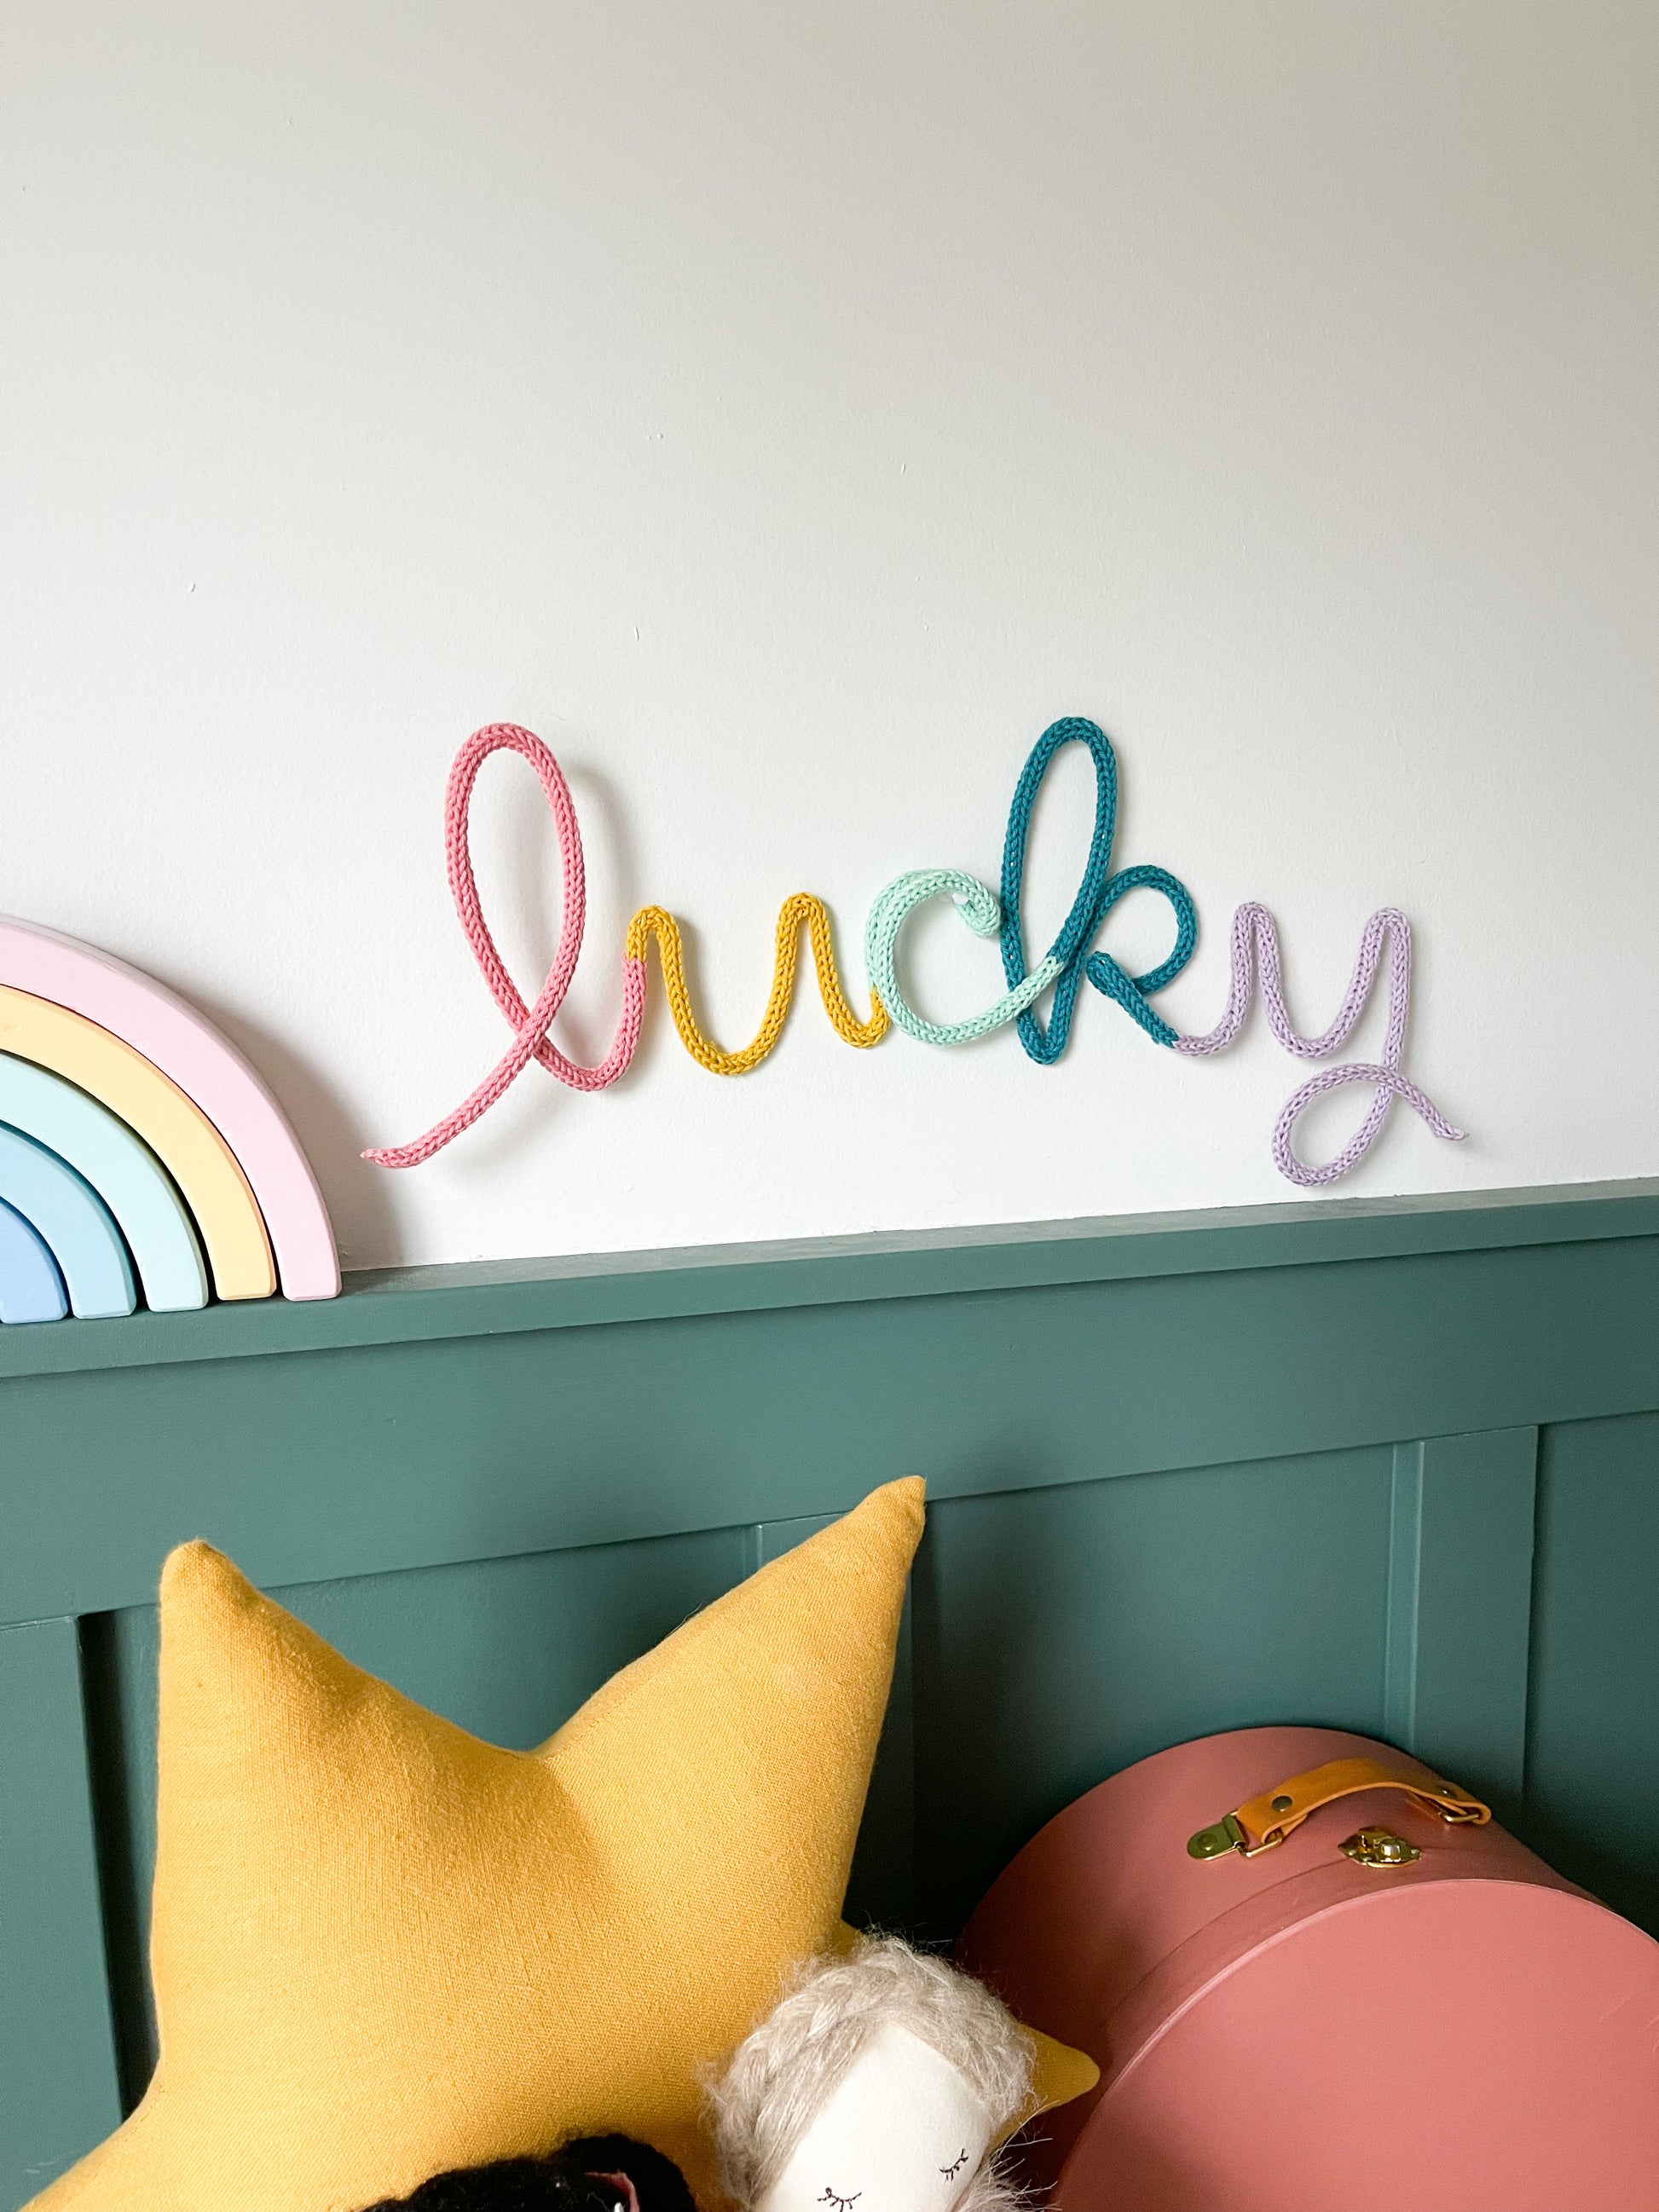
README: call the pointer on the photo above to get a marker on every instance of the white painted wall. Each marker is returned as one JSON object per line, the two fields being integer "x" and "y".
{"x": 787, "y": 411}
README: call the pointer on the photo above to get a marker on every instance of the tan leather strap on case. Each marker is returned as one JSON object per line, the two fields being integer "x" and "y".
{"x": 1263, "y": 1822}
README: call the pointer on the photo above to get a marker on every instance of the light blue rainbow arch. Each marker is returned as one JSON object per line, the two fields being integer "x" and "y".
{"x": 31, "y": 1288}
{"x": 72, "y": 1221}
{"x": 121, "y": 1168}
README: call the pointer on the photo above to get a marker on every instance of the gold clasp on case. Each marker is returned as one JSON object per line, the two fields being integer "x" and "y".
{"x": 1381, "y": 1848}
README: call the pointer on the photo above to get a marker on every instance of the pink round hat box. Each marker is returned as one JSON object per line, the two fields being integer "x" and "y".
{"x": 1302, "y": 2030}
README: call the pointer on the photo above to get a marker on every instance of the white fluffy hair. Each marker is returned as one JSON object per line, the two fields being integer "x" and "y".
{"x": 791, "y": 2064}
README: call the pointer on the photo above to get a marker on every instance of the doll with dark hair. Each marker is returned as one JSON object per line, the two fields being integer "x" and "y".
{"x": 599, "y": 2173}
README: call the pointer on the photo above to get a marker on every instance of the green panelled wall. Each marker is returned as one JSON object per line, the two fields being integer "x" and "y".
{"x": 1392, "y": 1467}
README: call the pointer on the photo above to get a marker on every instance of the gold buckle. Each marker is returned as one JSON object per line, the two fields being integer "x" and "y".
{"x": 1226, "y": 1835}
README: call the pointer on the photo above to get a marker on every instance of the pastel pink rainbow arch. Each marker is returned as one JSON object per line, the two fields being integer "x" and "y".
{"x": 207, "y": 1068}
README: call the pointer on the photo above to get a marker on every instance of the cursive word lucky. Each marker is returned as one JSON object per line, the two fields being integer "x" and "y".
{"x": 1071, "y": 960}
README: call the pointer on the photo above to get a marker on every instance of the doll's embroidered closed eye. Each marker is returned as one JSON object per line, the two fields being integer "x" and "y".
{"x": 840, "y": 2203}
{"x": 956, "y": 2166}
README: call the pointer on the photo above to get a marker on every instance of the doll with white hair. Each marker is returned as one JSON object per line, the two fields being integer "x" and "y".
{"x": 886, "y": 2080}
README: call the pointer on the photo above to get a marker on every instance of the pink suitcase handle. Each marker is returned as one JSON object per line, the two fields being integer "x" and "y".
{"x": 1262, "y": 1823}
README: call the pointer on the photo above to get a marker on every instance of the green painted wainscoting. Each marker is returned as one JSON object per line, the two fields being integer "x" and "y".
{"x": 1388, "y": 1466}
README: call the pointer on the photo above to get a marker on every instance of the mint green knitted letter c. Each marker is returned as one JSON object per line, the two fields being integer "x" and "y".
{"x": 980, "y": 910}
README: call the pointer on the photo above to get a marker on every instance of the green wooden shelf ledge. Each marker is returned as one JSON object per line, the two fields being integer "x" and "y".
{"x": 407, "y": 1305}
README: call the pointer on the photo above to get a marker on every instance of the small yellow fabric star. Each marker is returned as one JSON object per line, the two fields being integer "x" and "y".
{"x": 381, "y": 1948}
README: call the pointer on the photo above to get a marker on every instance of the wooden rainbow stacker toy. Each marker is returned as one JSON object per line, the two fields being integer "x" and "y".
{"x": 140, "y": 1152}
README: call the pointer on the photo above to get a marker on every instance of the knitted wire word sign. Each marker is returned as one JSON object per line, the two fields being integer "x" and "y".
{"x": 1070, "y": 961}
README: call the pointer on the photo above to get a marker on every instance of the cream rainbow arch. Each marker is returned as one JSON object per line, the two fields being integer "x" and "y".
{"x": 139, "y": 1149}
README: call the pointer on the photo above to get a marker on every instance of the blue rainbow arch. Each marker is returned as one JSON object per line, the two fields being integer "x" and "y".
{"x": 31, "y": 1288}
{"x": 121, "y": 1168}
{"x": 72, "y": 1221}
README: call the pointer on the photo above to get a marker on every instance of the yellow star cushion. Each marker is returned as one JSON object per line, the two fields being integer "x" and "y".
{"x": 381, "y": 1947}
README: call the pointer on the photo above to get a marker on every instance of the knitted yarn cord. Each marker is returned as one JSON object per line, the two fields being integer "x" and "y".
{"x": 531, "y": 1023}
{"x": 1254, "y": 947}
{"x": 1098, "y": 893}
{"x": 979, "y": 909}
{"x": 1254, "y": 950}
{"x": 802, "y": 908}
